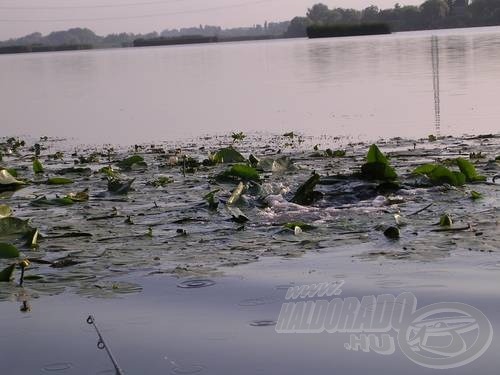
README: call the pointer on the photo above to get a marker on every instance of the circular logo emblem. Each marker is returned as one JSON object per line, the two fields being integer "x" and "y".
{"x": 445, "y": 335}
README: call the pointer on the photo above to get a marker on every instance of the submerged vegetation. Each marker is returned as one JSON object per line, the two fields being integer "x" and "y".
{"x": 71, "y": 218}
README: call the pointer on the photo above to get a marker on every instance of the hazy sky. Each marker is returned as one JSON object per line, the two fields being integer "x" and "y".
{"x": 20, "y": 17}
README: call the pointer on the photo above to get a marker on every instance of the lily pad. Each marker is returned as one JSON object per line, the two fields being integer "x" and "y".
{"x": 475, "y": 195}
{"x": 212, "y": 201}
{"x": 59, "y": 181}
{"x": 468, "y": 169}
{"x": 8, "y": 251}
{"x": 8, "y": 182}
{"x": 117, "y": 186}
{"x": 81, "y": 196}
{"x": 6, "y": 274}
{"x": 58, "y": 201}
{"x": 439, "y": 174}
{"x": 305, "y": 194}
{"x": 445, "y": 220}
{"x": 37, "y": 166}
{"x": 5, "y": 211}
{"x": 228, "y": 155}
{"x": 131, "y": 161}
{"x": 377, "y": 166}
{"x": 240, "y": 171}
{"x": 11, "y": 226}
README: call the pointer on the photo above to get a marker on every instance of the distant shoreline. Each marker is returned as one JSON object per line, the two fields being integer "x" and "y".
{"x": 186, "y": 40}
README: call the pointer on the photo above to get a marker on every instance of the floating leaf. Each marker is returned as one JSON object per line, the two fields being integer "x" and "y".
{"x": 424, "y": 169}
{"x": 81, "y": 196}
{"x": 120, "y": 187}
{"x": 228, "y": 155}
{"x": 445, "y": 220}
{"x": 305, "y": 194}
{"x": 374, "y": 155}
{"x": 5, "y": 211}
{"x": 7, "y": 181}
{"x": 468, "y": 169}
{"x": 6, "y": 274}
{"x": 212, "y": 201}
{"x": 237, "y": 216}
{"x": 377, "y": 166}
{"x": 439, "y": 174}
{"x": 378, "y": 171}
{"x": 109, "y": 171}
{"x": 161, "y": 181}
{"x": 37, "y": 166}
{"x": 475, "y": 195}
{"x": 44, "y": 201}
{"x": 75, "y": 170}
{"x": 131, "y": 161}
{"x": 59, "y": 181}
{"x": 8, "y": 251}
{"x": 240, "y": 171}
{"x": 12, "y": 225}
{"x": 335, "y": 154}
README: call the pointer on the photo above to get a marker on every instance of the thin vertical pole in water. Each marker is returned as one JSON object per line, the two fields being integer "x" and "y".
{"x": 435, "y": 83}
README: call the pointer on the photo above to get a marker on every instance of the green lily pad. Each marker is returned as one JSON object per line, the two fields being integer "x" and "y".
{"x": 11, "y": 226}
{"x": 8, "y": 251}
{"x": 378, "y": 171}
{"x": 468, "y": 169}
{"x": 44, "y": 201}
{"x": 374, "y": 155}
{"x": 59, "y": 181}
{"x": 6, "y": 274}
{"x": 228, "y": 155}
{"x": 445, "y": 220}
{"x": 475, "y": 195}
{"x": 212, "y": 201}
{"x": 240, "y": 171}
{"x": 377, "y": 166}
{"x": 8, "y": 181}
{"x": 117, "y": 186}
{"x": 131, "y": 161}
{"x": 305, "y": 194}
{"x": 37, "y": 166}
{"x": 5, "y": 211}
{"x": 439, "y": 174}
{"x": 81, "y": 196}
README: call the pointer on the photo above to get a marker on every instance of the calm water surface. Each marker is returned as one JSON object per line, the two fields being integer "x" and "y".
{"x": 406, "y": 84}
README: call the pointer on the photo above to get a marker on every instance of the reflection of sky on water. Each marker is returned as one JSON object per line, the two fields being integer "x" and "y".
{"x": 371, "y": 86}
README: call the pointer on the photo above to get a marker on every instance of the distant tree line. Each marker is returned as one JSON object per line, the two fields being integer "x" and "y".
{"x": 84, "y": 36}
{"x": 431, "y": 14}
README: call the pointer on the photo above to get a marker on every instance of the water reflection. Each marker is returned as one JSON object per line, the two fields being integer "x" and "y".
{"x": 360, "y": 87}
{"x": 435, "y": 83}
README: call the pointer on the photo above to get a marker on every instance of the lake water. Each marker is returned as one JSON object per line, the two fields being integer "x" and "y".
{"x": 406, "y": 84}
